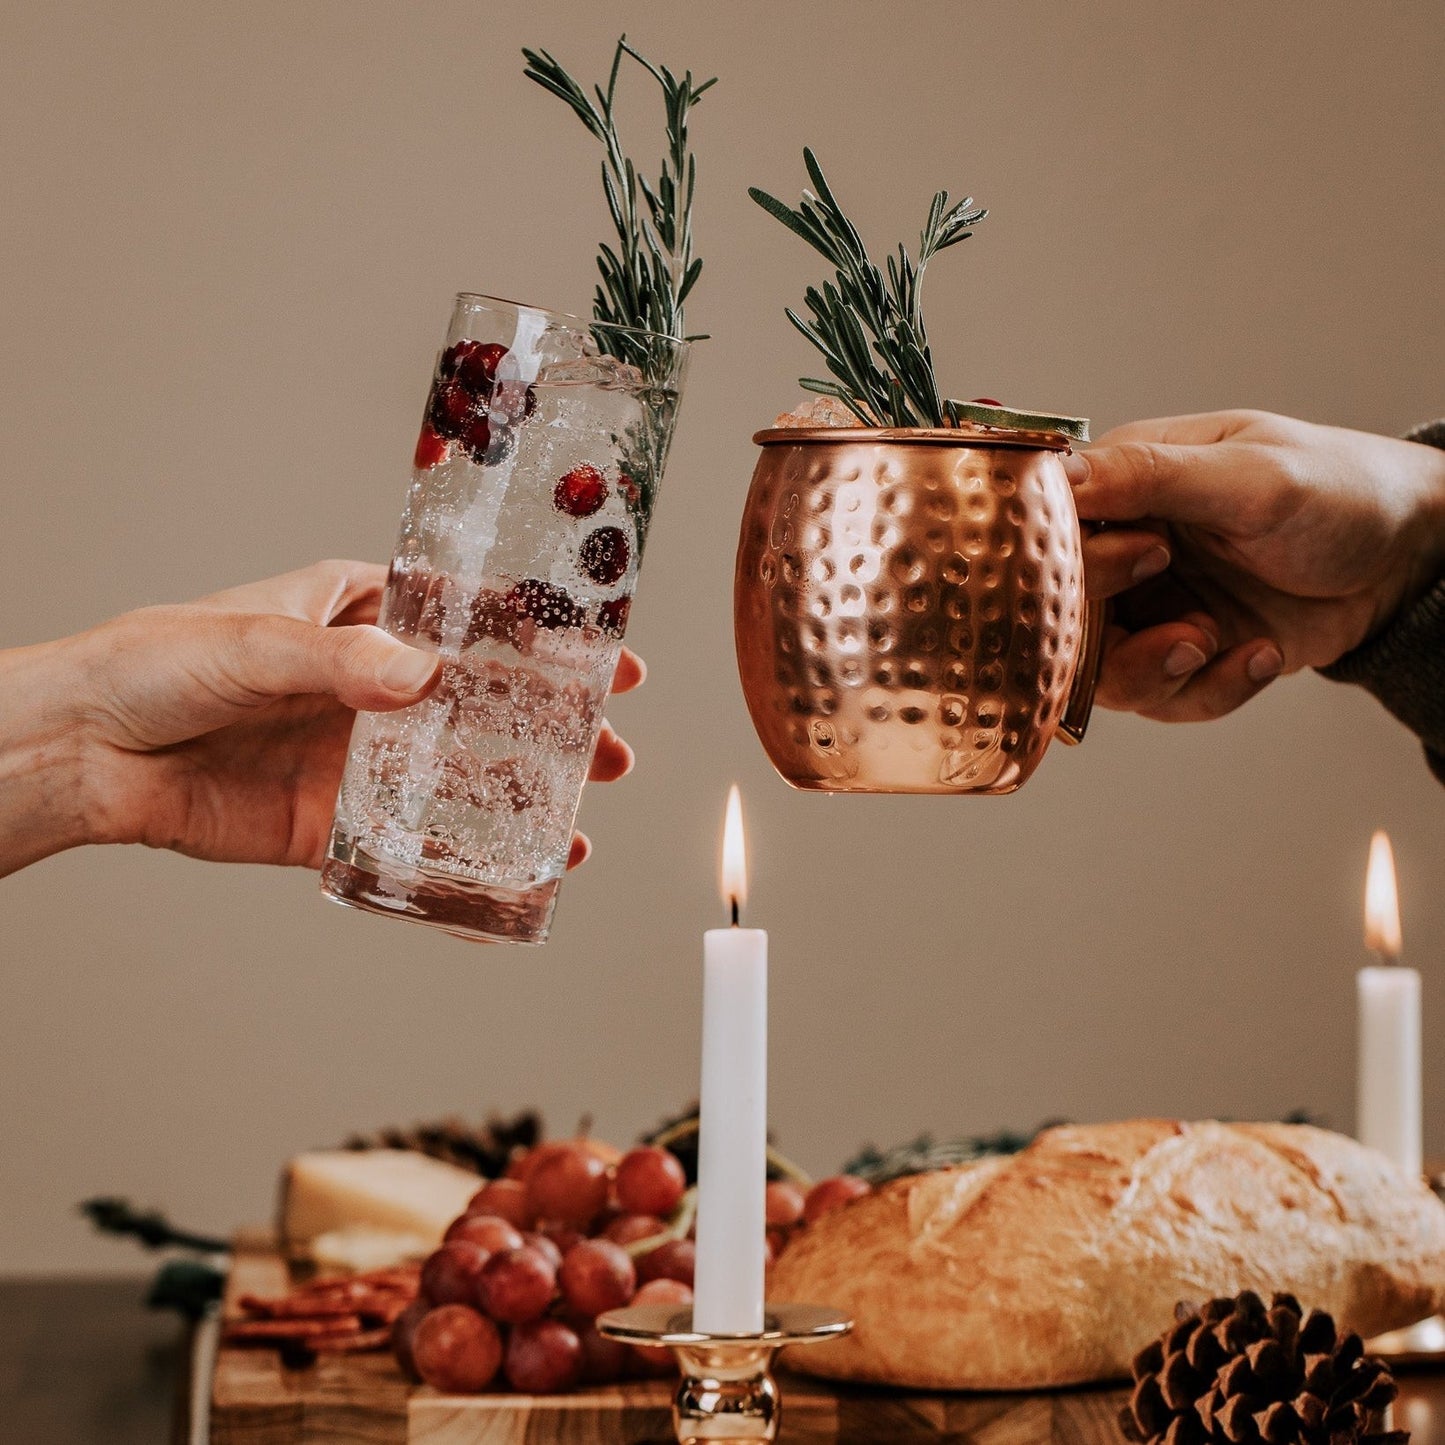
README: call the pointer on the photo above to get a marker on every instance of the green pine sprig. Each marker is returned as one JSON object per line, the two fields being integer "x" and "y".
{"x": 650, "y": 270}
{"x": 867, "y": 322}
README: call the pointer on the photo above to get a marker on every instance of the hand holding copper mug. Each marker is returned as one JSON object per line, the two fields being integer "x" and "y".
{"x": 909, "y": 595}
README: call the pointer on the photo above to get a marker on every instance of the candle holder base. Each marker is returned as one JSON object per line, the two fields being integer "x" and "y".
{"x": 727, "y": 1391}
{"x": 1417, "y": 1344}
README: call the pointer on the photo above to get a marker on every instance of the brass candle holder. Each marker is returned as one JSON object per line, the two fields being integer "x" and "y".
{"x": 727, "y": 1391}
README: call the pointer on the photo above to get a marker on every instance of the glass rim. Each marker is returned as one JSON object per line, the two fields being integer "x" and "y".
{"x": 482, "y": 301}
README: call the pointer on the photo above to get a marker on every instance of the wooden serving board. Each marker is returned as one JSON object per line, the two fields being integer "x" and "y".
{"x": 363, "y": 1400}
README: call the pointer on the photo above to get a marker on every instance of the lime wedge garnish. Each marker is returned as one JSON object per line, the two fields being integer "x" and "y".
{"x": 1076, "y": 428}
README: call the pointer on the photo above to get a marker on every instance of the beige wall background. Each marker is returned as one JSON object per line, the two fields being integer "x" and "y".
{"x": 229, "y": 236}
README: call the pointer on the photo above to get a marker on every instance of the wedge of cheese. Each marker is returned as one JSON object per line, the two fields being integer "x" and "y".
{"x": 391, "y": 1190}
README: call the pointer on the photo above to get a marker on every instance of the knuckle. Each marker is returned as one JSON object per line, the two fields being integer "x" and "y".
{"x": 352, "y": 649}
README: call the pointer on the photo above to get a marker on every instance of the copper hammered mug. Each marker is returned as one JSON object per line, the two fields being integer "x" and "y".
{"x": 909, "y": 607}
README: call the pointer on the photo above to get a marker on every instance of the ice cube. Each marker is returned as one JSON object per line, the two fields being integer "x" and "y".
{"x": 603, "y": 371}
{"x": 818, "y": 411}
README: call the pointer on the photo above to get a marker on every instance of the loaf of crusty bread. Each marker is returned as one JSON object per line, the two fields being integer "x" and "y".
{"x": 1056, "y": 1265}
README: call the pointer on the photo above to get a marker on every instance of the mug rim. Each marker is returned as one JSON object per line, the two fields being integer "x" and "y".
{"x": 965, "y": 434}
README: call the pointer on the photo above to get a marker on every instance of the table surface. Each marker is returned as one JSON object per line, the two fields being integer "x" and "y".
{"x": 83, "y": 1361}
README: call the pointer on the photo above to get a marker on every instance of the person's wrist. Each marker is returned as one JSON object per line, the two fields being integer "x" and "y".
{"x": 45, "y": 804}
{"x": 1424, "y": 537}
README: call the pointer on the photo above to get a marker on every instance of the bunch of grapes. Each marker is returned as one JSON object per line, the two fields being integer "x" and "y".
{"x": 572, "y": 1231}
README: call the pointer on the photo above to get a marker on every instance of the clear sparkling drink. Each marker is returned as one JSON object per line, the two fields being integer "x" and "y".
{"x": 535, "y": 477}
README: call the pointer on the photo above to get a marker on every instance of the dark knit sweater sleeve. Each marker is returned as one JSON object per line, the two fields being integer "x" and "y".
{"x": 1404, "y": 666}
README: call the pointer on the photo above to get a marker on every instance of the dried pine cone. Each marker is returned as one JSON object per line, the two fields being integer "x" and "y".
{"x": 487, "y": 1149}
{"x": 1236, "y": 1373}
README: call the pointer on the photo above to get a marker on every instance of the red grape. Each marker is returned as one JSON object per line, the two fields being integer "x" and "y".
{"x": 658, "y": 1359}
{"x": 650, "y": 1181}
{"x": 568, "y": 1187}
{"x": 457, "y": 1350}
{"x": 487, "y": 1230}
{"x": 563, "y": 1236}
{"x": 546, "y": 1246}
{"x": 403, "y": 1327}
{"x": 830, "y": 1194}
{"x": 449, "y": 1276}
{"x": 543, "y": 1357}
{"x": 597, "y": 1275}
{"x": 602, "y": 1359}
{"x": 784, "y": 1204}
{"x": 674, "y": 1260}
{"x": 517, "y": 1285}
{"x": 663, "y": 1292}
{"x": 505, "y": 1198}
{"x": 629, "y": 1228}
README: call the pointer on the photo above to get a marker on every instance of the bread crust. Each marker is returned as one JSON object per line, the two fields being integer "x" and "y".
{"x": 1054, "y": 1266}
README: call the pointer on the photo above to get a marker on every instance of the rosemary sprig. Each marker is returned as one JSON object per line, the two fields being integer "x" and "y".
{"x": 647, "y": 275}
{"x": 113, "y": 1215}
{"x": 868, "y": 324}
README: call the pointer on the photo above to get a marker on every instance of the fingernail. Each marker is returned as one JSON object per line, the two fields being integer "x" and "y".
{"x": 1268, "y": 662}
{"x": 409, "y": 670}
{"x": 1183, "y": 657}
{"x": 1076, "y": 468}
{"x": 1151, "y": 564}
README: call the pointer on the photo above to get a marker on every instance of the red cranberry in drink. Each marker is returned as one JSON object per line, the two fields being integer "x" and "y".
{"x": 514, "y": 399}
{"x": 604, "y": 555}
{"x": 581, "y": 492}
{"x": 453, "y": 357}
{"x": 986, "y": 401}
{"x": 476, "y": 437}
{"x": 431, "y": 448}
{"x": 547, "y": 605}
{"x": 612, "y": 616}
{"x": 450, "y": 410}
{"x": 477, "y": 370}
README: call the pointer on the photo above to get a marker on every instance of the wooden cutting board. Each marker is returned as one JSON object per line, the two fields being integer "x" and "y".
{"x": 363, "y": 1400}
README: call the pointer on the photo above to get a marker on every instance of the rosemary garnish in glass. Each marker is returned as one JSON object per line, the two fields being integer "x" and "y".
{"x": 868, "y": 324}
{"x": 647, "y": 275}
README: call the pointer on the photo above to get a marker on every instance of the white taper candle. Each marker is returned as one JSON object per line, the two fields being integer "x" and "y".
{"x": 1388, "y": 1107}
{"x": 733, "y": 1108}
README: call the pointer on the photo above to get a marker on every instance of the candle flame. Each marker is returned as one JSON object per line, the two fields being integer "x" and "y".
{"x": 1382, "y": 903}
{"x": 734, "y": 855}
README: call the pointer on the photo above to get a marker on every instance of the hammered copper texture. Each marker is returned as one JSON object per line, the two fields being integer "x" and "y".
{"x": 908, "y": 614}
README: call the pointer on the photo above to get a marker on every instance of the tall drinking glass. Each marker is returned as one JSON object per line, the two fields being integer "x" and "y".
{"x": 535, "y": 477}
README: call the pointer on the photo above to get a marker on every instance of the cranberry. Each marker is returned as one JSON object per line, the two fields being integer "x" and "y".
{"x": 612, "y": 616}
{"x": 547, "y": 605}
{"x": 581, "y": 492}
{"x": 431, "y": 448}
{"x": 631, "y": 492}
{"x": 986, "y": 401}
{"x": 476, "y": 437}
{"x": 477, "y": 370}
{"x": 453, "y": 357}
{"x": 450, "y": 409}
{"x": 604, "y": 555}
{"x": 492, "y": 616}
{"x": 514, "y": 399}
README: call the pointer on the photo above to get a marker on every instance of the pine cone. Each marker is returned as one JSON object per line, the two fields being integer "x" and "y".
{"x": 487, "y": 1149}
{"x": 1236, "y": 1373}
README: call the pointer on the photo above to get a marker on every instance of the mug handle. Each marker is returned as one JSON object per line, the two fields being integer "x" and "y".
{"x": 1086, "y": 676}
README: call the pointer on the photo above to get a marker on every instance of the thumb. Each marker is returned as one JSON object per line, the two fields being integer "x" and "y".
{"x": 1134, "y": 480}
{"x": 267, "y": 657}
